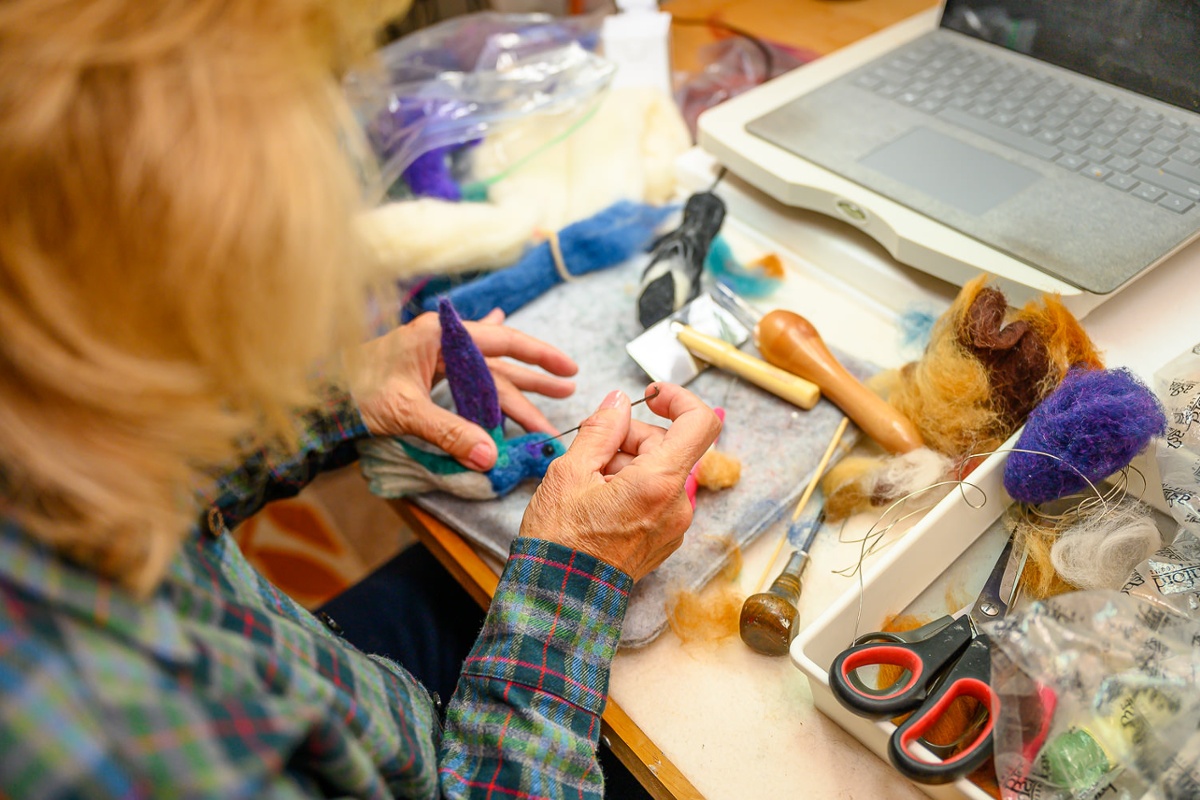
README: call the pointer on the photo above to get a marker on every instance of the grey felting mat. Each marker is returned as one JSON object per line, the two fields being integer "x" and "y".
{"x": 778, "y": 444}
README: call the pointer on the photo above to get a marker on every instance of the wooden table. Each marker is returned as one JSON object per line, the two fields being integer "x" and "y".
{"x": 819, "y": 26}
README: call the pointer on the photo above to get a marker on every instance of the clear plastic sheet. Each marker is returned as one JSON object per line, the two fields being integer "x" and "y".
{"x": 440, "y": 89}
{"x": 1178, "y": 387}
{"x": 1171, "y": 577}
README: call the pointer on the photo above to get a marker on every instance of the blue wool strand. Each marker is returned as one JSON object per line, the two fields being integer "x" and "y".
{"x": 744, "y": 281}
{"x": 1095, "y": 421}
{"x": 609, "y": 238}
{"x": 916, "y": 328}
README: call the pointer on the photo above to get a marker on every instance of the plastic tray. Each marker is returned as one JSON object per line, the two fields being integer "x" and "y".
{"x": 947, "y": 548}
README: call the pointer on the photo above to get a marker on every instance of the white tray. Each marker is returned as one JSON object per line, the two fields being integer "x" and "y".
{"x": 945, "y": 552}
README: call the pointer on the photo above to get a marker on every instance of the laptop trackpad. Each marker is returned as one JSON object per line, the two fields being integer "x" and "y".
{"x": 949, "y": 170}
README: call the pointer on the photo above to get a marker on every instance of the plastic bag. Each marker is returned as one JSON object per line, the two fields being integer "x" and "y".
{"x": 442, "y": 88}
{"x": 1098, "y": 696}
{"x": 730, "y": 67}
{"x": 1178, "y": 386}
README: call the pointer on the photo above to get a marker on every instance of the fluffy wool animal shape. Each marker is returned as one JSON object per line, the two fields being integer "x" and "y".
{"x": 395, "y": 467}
{"x": 985, "y": 368}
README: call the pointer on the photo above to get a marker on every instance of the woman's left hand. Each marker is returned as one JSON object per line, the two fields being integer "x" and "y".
{"x": 392, "y": 376}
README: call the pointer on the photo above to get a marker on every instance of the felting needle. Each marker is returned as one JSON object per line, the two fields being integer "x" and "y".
{"x": 804, "y": 498}
{"x": 657, "y": 391}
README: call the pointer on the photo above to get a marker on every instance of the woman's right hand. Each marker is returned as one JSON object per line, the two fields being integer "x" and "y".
{"x": 618, "y": 492}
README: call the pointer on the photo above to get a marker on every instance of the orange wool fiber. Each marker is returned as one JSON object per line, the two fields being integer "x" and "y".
{"x": 1067, "y": 343}
{"x": 946, "y": 393}
{"x": 770, "y": 265}
{"x": 982, "y": 363}
{"x": 718, "y": 470}
{"x": 1039, "y": 580}
{"x": 985, "y": 368}
{"x": 844, "y": 491}
{"x": 712, "y": 613}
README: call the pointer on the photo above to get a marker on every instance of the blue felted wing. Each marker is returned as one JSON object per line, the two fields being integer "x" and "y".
{"x": 471, "y": 383}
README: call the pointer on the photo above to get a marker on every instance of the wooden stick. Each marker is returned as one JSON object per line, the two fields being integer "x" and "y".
{"x": 808, "y": 492}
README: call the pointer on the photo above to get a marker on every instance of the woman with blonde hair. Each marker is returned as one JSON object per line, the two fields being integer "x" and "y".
{"x": 181, "y": 302}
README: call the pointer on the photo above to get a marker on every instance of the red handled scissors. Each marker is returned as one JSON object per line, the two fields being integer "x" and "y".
{"x": 941, "y": 662}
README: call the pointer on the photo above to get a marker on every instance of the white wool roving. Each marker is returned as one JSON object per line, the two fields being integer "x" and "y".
{"x": 415, "y": 237}
{"x": 912, "y": 470}
{"x": 625, "y": 150}
{"x": 921, "y": 477}
{"x": 1101, "y": 548}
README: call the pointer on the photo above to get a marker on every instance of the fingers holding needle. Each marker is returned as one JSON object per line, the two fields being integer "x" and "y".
{"x": 651, "y": 396}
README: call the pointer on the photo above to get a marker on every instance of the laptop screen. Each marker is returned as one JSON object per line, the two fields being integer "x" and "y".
{"x": 1146, "y": 46}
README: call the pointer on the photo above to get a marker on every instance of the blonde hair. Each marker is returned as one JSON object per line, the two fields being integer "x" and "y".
{"x": 176, "y": 253}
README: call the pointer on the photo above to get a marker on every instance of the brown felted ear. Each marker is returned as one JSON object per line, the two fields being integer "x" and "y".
{"x": 1012, "y": 352}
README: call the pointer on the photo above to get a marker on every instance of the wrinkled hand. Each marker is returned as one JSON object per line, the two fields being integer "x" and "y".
{"x": 618, "y": 492}
{"x": 391, "y": 378}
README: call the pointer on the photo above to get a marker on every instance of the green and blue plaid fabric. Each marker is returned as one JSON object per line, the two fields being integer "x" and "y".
{"x": 220, "y": 686}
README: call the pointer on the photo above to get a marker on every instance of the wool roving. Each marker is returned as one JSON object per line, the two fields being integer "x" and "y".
{"x": 429, "y": 176}
{"x": 1101, "y": 547}
{"x": 598, "y": 242}
{"x": 1036, "y": 535}
{"x": 985, "y": 367}
{"x": 755, "y": 280}
{"x": 857, "y": 483}
{"x": 1090, "y": 427}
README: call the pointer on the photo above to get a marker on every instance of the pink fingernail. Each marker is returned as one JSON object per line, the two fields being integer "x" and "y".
{"x": 481, "y": 456}
{"x": 613, "y": 399}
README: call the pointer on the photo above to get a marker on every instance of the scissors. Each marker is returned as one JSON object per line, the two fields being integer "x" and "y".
{"x": 942, "y": 661}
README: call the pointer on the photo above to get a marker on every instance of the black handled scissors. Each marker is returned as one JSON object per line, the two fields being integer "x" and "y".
{"x": 947, "y": 659}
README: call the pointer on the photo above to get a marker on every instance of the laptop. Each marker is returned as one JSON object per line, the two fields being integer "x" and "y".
{"x": 1062, "y": 133}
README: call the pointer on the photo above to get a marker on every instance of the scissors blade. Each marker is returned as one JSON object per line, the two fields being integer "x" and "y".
{"x": 1001, "y": 586}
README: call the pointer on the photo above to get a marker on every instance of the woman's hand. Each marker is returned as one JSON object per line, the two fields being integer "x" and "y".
{"x": 618, "y": 492}
{"x": 391, "y": 379}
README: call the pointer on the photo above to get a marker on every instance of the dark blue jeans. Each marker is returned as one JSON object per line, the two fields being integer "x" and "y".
{"x": 412, "y": 611}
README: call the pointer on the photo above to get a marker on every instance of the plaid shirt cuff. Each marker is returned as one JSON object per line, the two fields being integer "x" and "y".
{"x": 327, "y": 441}
{"x": 554, "y": 624}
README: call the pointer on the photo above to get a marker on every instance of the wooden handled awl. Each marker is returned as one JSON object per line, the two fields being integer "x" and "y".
{"x": 790, "y": 341}
{"x": 779, "y": 382}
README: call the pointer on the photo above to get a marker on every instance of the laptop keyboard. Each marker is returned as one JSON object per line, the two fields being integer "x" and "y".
{"x": 1127, "y": 148}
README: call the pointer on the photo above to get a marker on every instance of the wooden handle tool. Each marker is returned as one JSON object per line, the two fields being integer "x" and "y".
{"x": 790, "y": 341}
{"x": 722, "y": 354}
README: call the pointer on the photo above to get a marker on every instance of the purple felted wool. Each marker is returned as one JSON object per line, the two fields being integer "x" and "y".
{"x": 474, "y": 388}
{"x": 1095, "y": 422}
{"x": 429, "y": 176}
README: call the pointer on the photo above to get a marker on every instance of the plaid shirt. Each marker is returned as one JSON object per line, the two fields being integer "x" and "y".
{"x": 220, "y": 686}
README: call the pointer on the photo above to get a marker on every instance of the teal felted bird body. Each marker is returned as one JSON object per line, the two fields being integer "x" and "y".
{"x": 397, "y": 467}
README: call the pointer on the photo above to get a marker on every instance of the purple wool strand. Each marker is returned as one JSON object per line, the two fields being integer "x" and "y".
{"x": 1096, "y": 421}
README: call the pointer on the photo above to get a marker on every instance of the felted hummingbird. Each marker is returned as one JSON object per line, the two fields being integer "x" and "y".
{"x": 395, "y": 467}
